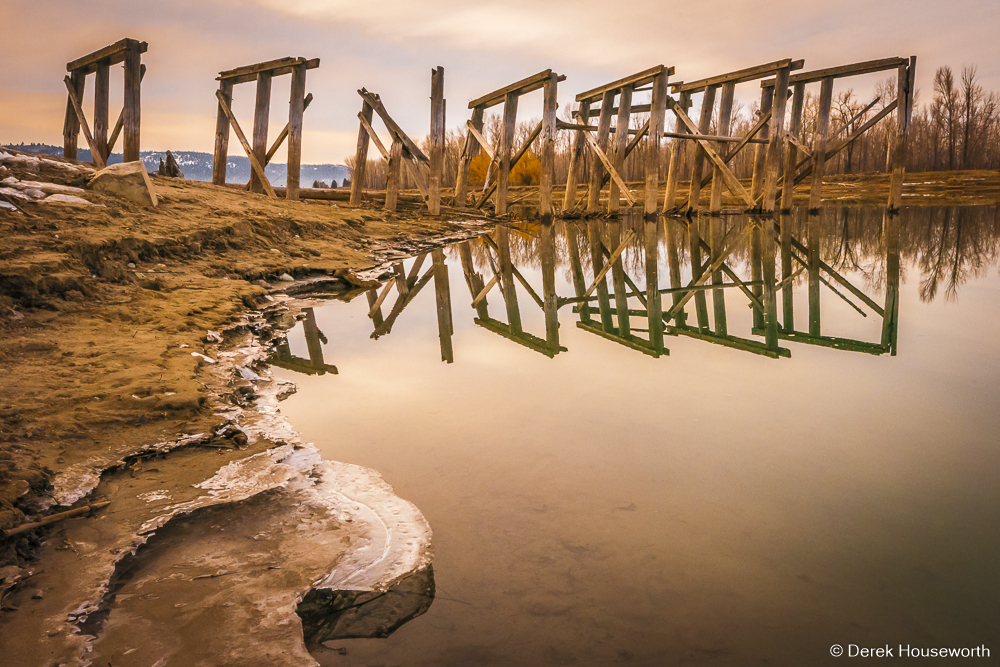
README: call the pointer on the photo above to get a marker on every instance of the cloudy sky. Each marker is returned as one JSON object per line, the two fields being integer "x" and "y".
{"x": 391, "y": 47}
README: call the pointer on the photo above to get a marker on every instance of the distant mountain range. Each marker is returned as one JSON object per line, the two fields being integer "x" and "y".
{"x": 198, "y": 166}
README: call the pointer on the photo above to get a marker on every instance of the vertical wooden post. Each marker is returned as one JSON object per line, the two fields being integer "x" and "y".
{"x": 361, "y": 158}
{"x": 506, "y": 148}
{"x": 794, "y": 128}
{"x": 576, "y": 161}
{"x": 704, "y": 126}
{"x": 812, "y": 259}
{"x": 770, "y": 303}
{"x": 725, "y": 120}
{"x": 757, "y": 272}
{"x": 296, "y": 106}
{"x": 621, "y": 141}
{"x": 618, "y": 280}
{"x": 133, "y": 98}
{"x": 261, "y": 115}
{"x": 469, "y": 151}
{"x": 372, "y": 295}
{"x": 760, "y": 150}
{"x": 716, "y": 234}
{"x": 654, "y": 309}
{"x": 678, "y": 150}
{"x": 904, "y": 107}
{"x": 102, "y": 94}
{"x": 697, "y": 269}
{"x": 442, "y": 299}
{"x": 674, "y": 263}
{"x": 819, "y": 143}
{"x": 547, "y": 251}
{"x": 437, "y": 141}
{"x": 596, "y": 166}
{"x": 657, "y": 117}
{"x": 787, "y": 292}
{"x": 71, "y": 126}
{"x": 548, "y": 148}
{"x": 222, "y": 135}
{"x": 597, "y": 264}
{"x": 576, "y": 268}
{"x": 776, "y": 146}
{"x": 473, "y": 278}
{"x": 507, "y": 279}
{"x": 394, "y": 172}
{"x": 890, "y": 318}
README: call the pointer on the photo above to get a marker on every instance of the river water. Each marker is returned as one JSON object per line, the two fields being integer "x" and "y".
{"x": 771, "y": 482}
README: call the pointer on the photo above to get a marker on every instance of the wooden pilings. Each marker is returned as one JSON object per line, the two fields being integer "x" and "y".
{"x": 101, "y": 144}
{"x": 258, "y": 153}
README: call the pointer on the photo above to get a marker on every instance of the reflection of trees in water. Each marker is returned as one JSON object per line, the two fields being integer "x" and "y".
{"x": 949, "y": 245}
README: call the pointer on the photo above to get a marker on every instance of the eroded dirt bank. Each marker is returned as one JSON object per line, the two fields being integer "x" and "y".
{"x": 133, "y": 351}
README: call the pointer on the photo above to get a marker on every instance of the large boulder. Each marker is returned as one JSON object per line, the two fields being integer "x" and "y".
{"x": 128, "y": 180}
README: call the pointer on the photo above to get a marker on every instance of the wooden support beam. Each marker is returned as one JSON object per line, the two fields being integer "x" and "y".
{"x": 469, "y": 151}
{"x": 696, "y": 243}
{"x": 296, "y": 108}
{"x": 507, "y": 279}
{"x": 120, "y": 124}
{"x": 725, "y": 122}
{"x": 225, "y": 94}
{"x": 776, "y": 147}
{"x": 550, "y": 304}
{"x": 112, "y": 55}
{"x": 374, "y": 137}
{"x": 600, "y": 269}
{"x": 81, "y": 119}
{"x": 376, "y": 103}
{"x": 442, "y": 300}
{"x": 375, "y": 312}
{"x": 904, "y": 97}
{"x": 734, "y": 342}
{"x": 603, "y": 160}
{"x": 393, "y": 174}
{"x": 476, "y": 133}
{"x": 618, "y": 281}
{"x": 794, "y": 146}
{"x": 678, "y": 148}
{"x": 629, "y": 341}
{"x": 131, "y": 148}
{"x": 597, "y": 164}
{"x": 576, "y": 266}
{"x": 812, "y": 255}
{"x": 654, "y": 307}
{"x": 517, "y": 274}
{"x": 522, "y": 87}
{"x": 618, "y": 149}
{"x": 703, "y": 278}
{"x": 819, "y": 143}
{"x": 102, "y": 94}
{"x": 376, "y": 305}
{"x": 274, "y": 68}
{"x": 730, "y": 179}
{"x": 255, "y": 164}
{"x": 520, "y": 337}
{"x": 739, "y": 76}
{"x": 698, "y": 158}
{"x": 674, "y": 265}
{"x": 361, "y": 154}
{"x": 71, "y": 124}
{"x": 633, "y": 81}
{"x": 760, "y": 152}
{"x": 716, "y": 237}
{"x": 401, "y": 303}
{"x": 547, "y": 149}
{"x": 507, "y": 130}
{"x": 655, "y": 124}
{"x": 261, "y": 117}
{"x": 628, "y": 238}
{"x": 436, "y": 138}
{"x": 854, "y": 69}
{"x": 280, "y": 139}
{"x": 770, "y": 301}
{"x": 576, "y": 160}
{"x": 513, "y": 163}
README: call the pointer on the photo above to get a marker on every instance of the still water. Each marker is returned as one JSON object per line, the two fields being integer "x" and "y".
{"x": 819, "y": 469}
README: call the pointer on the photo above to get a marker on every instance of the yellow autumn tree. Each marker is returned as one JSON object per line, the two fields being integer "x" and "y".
{"x": 527, "y": 171}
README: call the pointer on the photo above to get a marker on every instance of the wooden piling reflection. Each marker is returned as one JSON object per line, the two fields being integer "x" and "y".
{"x": 442, "y": 299}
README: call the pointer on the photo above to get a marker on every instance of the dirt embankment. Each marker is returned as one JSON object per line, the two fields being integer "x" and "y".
{"x": 102, "y": 306}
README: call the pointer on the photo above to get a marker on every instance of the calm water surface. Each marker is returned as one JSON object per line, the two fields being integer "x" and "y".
{"x": 594, "y": 504}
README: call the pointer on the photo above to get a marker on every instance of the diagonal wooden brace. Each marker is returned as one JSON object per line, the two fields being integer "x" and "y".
{"x": 629, "y": 236}
{"x": 98, "y": 155}
{"x": 606, "y": 162}
{"x": 254, "y": 162}
{"x": 706, "y": 274}
{"x": 488, "y": 192}
{"x": 477, "y": 135}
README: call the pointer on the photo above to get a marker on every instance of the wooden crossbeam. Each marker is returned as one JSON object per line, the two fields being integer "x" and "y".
{"x": 639, "y": 79}
{"x": 400, "y": 304}
{"x": 739, "y": 76}
{"x": 486, "y": 290}
{"x": 728, "y": 176}
{"x": 488, "y": 192}
{"x": 706, "y": 274}
{"x": 478, "y": 136}
{"x": 855, "y": 69}
{"x": 607, "y": 165}
{"x": 629, "y": 236}
{"x": 381, "y": 297}
{"x": 95, "y": 150}
{"x": 111, "y": 55}
{"x": 734, "y": 342}
{"x": 521, "y": 337}
{"x": 394, "y": 129}
{"x": 522, "y": 87}
{"x": 273, "y": 67}
{"x": 629, "y": 341}
{"x": 258, "y": 168}
{"x": 374, "y": 137}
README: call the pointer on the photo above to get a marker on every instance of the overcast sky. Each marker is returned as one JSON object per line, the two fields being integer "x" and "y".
{"x": 391, "y": 47}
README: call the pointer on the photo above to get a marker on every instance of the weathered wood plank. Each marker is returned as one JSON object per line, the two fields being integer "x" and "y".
{"x": 277, "y": 67}
{"x": 698, "y": 160}
{"x": 296, "y": 108}
{"x": 678, "y": 150}
{"x": 854, "y": 69}
{"x": 120, "y": 124}
{"x": 725, "y": 122}
{"x": 597, "y": 163}
{"x": 513, "y": 163}
{"x": 255, "y": 164}
{"x": 739, "y": 76}
{"x": 618, "y": 148}
{"x": 442, "y": 299}
{"x": 819, "y": 143}
{"x": 261, "y": 118}
{"x": 113, "y": 54}
{"x": 376, "y": 103}
{"x": 280, "y": 139}
{"x": 222, "y": 134}
{"x": 71, "y": 124}
{"x": 361, "y": 154}
{"x": 393, "y": 174}
{"x": 102, "y": 93}
{"x": 655, "y": 124}
{"x": 522, "y": 87}
{"x": 132, "y": 101}
{"x": 776, "y": 147}
{"x": 98, "y": 158}
{"x": 634, "y": 80}
{"x": 469, "y": 151}
{"x": 547, "y": 149}
{"x": 603, "y": 160}
{"x": 436, "y": 138}
{"x": 629, "y": 341}
{"x": 576, "y": 159}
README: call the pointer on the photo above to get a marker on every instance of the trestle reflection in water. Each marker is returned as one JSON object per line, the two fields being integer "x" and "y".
{"x": 618, "y": 470}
